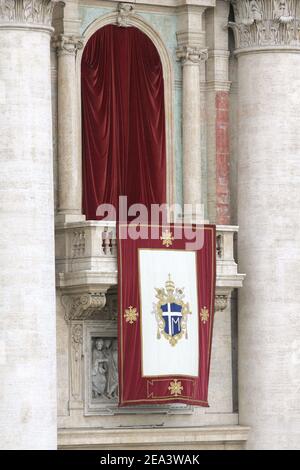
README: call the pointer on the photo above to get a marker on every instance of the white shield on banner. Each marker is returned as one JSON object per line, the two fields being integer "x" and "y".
{"x": 169, "y": 312}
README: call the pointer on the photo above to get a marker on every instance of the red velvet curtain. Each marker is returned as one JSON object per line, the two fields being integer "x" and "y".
{"x": 123, "y": 120}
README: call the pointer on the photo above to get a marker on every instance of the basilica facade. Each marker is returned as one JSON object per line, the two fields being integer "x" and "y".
{"x": 231, "y": 136}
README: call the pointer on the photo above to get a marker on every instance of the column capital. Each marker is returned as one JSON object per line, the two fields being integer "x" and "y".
{"x": 266, "y": 24}
{"x": 189, "y": 55}
{"x": 67, "y": 44}
{"x": 26, "y": 13}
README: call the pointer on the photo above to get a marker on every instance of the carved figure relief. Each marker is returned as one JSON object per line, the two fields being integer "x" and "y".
{"x": 104, "y": 368}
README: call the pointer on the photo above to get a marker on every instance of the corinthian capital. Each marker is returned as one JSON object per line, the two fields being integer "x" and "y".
{"x": 28, "y": 12}
{"x": 266, "y": 23}
{"x": 191, "y": 55}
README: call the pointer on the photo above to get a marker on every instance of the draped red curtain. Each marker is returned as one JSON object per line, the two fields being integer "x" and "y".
{"x": 123, "y": 120}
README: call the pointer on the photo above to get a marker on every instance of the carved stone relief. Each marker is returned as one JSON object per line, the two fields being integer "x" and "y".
{"x": 104, "y": 368}
{"x": 101, "y": 374}
{"x": 124, "y": 11}
{"x": 83, "y": 306}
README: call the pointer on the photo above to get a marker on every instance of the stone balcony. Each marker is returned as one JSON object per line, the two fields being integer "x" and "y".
{"x": 86, "y": 265}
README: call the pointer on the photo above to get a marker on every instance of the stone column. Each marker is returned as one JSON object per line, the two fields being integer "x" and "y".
{"x": 191, "y": 52}
{"x": 267, "y": 35}
{"x": 69, "y": 161}
{"x": 27, "y": 303}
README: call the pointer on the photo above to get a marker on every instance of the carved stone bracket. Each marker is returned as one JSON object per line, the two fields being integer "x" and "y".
{"x": 191, "y": 55}
{"x": 67, "y": 44}
{"x": 124, "y": 12}
{"x": 221, "y": 302}
{"x": 36, "y": 12}
{"x": 83, "y": 306}
{"x": 265, "y": 23}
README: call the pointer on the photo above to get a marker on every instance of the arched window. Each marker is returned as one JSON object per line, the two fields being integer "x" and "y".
{"x": 123, "y": 119}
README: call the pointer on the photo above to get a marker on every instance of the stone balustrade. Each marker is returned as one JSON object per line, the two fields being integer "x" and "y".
{"x": 86, "y": 264}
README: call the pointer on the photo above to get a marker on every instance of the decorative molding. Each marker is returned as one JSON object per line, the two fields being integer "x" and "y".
{"x": 76, "y": 365}
{"x": 83, "y": 306}
{"x": 265, "y": 23}
{"x": 35, "y": 12}
{"x": 67, "y": 44}
{"x": 191, "y": 55}
{"x": 124, "y": 12}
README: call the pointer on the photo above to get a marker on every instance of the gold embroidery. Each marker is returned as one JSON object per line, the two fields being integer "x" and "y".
{"x": 204, "y": 315}
{"x": 168, "y": 295}
{"x": 175, "y": 388}
{"x": 167, "y": 238}
{"x": 131, "y": 315}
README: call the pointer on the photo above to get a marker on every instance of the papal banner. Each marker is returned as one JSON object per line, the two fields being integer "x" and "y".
{"x": 166, "y": 310}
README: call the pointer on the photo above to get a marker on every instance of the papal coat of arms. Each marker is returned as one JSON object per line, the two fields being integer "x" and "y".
{"x": 171, "y": 312}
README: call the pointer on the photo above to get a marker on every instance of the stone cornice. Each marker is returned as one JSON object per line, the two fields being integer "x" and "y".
{"x": 26, "y": 13}
{"x": 261, "y": 24}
